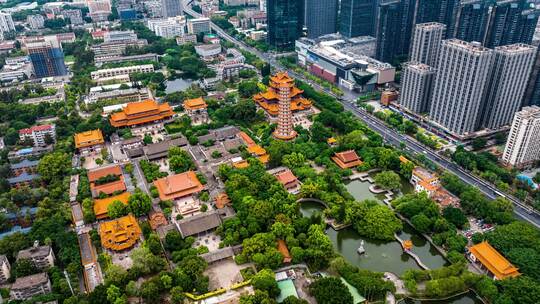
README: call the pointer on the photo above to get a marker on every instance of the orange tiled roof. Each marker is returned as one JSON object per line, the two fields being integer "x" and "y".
{"x": 222, "y": 200}
{"x": 424, "y": 174}
{"x": 428, "y": 186}
{"x": 195, "y": 104}
{"x": 241, "y": 164}
{"x": 347, "y": 159}
{"x": 177, "y": 186}
{"x": 269, "y": 100}
{"x": 101, "y": 205}
{"x": 98, "y": 173}
{"x": 282, "y": 248}
{"x": 254, "y": 148}
{"x": 142, "y": 112}
{"x": 497, "y": 264}
{"x": 88, "y": 139}
{"x": 109, "y": 188}
{"x": 246, "y": 138}
{"x": 286, "y": 177}
{"x": 120, "y": 234}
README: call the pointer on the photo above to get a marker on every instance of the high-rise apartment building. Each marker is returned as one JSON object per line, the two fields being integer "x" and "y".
{"x": 512, "y": 22}
{"x": 171, "y": 8}
{"x": 357, "y": 18}
{"x": 35, "y": 21}
{"x": 473, "y": 20}
{"x": 532, "y": 93}
{"x": 47, "y": 57}
{"x": 463, "y": 70}
{"x": 169, "y": 27}
{"x": 198, "y": 25}
{"x": 426, "y": 42}
{"x": 321, "y": 17}
{"x": 394, "y": 28}
{"x": 285, "y": 21}
{"x": 523, "y": 145}
{"x": 511, "y": 69}
{"x": 417, "y": 81}
{"x": 6, "y": 24}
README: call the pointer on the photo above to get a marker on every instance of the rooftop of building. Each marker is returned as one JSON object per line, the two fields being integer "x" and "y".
{"x": 101, "y": 205}
{"x": 472, "y": 46}
{"x": 30, "y": 281}
{"x": 88, "y": 138}
{"x": 347, "y": 159}
{"x": 36, "y": 129}
{"x": 195, "y": 104}
{"x": 424, "y": 174}
{"x": 199, "y": 223}
{"x": 24, "y": 164}
{"x": 98, "y": 173}
{"x": 120, "y": 234}
{"x": 418, "y": 66}
{"x": 178, "y": 185}
{"x": 285, "y": 177}
{"x": 34, "y": 252}
{"x": 431, "y": 25}
{"x": 282, "y": 248}
{"x": 157, "y": 219}
{"x": 516, "y": 48}
{"x": 497, "y": 264}
{"x": 23, "y": 177}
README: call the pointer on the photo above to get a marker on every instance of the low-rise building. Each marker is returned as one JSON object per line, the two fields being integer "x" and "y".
{"x": 145, "y": 68}
{"x": 119, "y": 59}
{"x": 254, "y": 149}
{"x": 27, "y": 287}
{"x": 178, "y": 186}
{"x": 89, "y": 141}
{"x": 138, "y": 113}
{"x": 5, "y": 269}
{"x": 423, "y": 180}
{"x": 120, "y": 234}
{"x": 127, "y": 95}
{"x": 208, "y": 51}
{"x": 491, "y": 260}
{"x": 23, "y": 180}
{"x": 347, "y": 159}
{"x": 116, "y": 48}
{"x": 24, "y": 166}
{"x": 108, "y": 179}
{"x": 160, "y": 150}
{"x": 288, "y": 180}
{"x": 345, "y": 63}
{"x": 39, "y": 135}
{"x": 186, "y": 38}
{"x": 196, "y": 109}
{"x": 28, "y": 153}
{"x": 41, "y": 256}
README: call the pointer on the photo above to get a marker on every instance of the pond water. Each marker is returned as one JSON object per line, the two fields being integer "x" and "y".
{"x": 176, "y": 85}
{"x": 380, "y": 256}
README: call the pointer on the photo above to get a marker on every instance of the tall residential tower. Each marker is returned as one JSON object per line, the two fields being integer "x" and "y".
{"x": 511, "y": 69}
{"x": 463, "y": 71}
{"x": 426, "y": 42}
{"x": 416, "y": 87}
{"x": 523, "y": 145}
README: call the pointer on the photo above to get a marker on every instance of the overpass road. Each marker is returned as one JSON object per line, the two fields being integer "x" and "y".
{"x": 390, "y": 136}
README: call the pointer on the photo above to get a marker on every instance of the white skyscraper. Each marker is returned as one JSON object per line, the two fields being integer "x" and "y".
{"x": 523, "y": 145}
{"x": 510, "y": 73}
{"x": 417, "y": 80}
{"x": 426, "y": 42}
{"x": 463, "y": 70}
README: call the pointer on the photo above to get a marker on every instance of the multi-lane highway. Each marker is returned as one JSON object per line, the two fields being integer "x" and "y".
{"x": 390, "y": 136}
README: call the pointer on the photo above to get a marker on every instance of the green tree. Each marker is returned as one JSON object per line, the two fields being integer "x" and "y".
{"x": 455, "y": 216}
{"x": 113, "y": 293}
{"x": 247, "y": 89}
{"x": 330, "y": 290}
{"x": 388, "y": 180}
{"x": 24, "y": 267}
{"x": 265, "y": 280}
{"x": 421, "y": 222}
{"x": 177, "y": 295}
{"x": 179, "y": 160}
{"x": 139, "y": 203}
{"x": 117, "y": 209}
